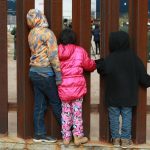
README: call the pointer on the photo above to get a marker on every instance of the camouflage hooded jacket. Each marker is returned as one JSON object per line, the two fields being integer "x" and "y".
{"x": 42, "y": 42}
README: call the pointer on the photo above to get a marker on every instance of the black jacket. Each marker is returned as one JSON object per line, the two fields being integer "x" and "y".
{"x": 123, "y": 72}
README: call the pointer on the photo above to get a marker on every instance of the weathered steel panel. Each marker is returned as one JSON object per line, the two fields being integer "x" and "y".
{"x": 109, "y": 22}
{"x": 53, "y": 12}
{"x": 24, "y": 89}
{"x": 81, "y": 21}
{"x": 76, "y": 12}
{"x": 138, "y": 17}
{"x": 3, "y": 69}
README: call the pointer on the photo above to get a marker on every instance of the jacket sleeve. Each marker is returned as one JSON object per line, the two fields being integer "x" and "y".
{"x": 144, "y": 78}
{"x": 53, "y": 56}
{"x": 100, "y": 66}
{"x": 88, "y": 64}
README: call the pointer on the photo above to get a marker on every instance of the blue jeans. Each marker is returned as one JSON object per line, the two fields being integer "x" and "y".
{"x": 45, "y": 93}
{"x": 126, "y": 114}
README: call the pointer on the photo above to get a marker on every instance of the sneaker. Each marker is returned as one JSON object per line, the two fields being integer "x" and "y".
{"x": 126, "y": 143}
{"x": 116, "y": 142}
{"x": 44, "y": 138}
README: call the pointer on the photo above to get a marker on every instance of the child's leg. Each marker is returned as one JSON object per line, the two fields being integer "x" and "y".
{"x": 78, "y": 122}
{"x": 99, "y": 46}
{"x": 39, "y": 112}
{"x": 51, "y": 92}
{"x": 126, "y": 113}
{"x": 96, "y": 44}
{"x": 40, "y": 105}
{"x": 66, "y": 121}
{"x": 114, "y": 113}
{"x": 77, "y": 117}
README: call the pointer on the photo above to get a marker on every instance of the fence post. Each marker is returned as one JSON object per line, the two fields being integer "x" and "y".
{"x": 81, "y": 21}
{"x": 109, "y": 22}
{"x": 53, "y": 12}
{"x": 138, "y": 17}
{"x": 24, "y": 89}
{"x": 3, "y": 69}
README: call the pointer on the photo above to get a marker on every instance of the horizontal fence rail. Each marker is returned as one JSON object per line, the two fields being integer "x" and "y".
{"x": 94, "y": 108}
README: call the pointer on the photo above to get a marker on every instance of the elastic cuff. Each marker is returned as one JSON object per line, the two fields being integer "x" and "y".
{"x": 58, "y": 82}
{"x": 58, "y": 76}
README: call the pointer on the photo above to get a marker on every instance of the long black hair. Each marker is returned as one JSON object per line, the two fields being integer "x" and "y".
{"x": 67, "y": 36}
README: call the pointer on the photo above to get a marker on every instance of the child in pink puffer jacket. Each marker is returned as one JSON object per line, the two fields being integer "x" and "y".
{"x": 73, "y": 61}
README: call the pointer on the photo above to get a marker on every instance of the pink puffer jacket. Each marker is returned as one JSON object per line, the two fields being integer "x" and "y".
{"x": 73, "y": 60}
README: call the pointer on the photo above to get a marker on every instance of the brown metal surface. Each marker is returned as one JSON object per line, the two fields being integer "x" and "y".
{"x": 85, "y": 42}
{"x": 109, "y": 22}
{"x": 53, "y": 12}
{"x": 3, "y": 69}
{"x": 76, "y": 12}
{"x": 12, "y": 106}
{"x": 81, "y": 10}
{"x": 138, "y": 17}
{"x": 47, "y": 10}
{"x": 24, "y": 88}
{"x": 148, "y": 109}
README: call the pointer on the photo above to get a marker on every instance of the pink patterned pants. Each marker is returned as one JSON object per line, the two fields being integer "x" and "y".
{"x": 72, "y": 116}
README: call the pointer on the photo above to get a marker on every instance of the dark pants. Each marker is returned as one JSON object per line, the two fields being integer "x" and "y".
{"x": 97, "y": 44}
{"x": 45, "y": 93}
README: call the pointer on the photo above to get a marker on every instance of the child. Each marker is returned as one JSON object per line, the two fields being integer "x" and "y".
{"x": 44, "y": 72}
{"x": 123, "y": 71}
{"x": 73, "y": 60}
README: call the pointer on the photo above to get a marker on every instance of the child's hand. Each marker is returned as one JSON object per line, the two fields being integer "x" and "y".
{"x": 100, "y": 65}
{"x": 97, "y": 61}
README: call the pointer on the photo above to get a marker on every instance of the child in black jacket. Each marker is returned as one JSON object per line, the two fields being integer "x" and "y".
{"x": 123, "y": 72}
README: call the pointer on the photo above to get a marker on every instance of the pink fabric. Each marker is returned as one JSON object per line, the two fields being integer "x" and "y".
{"x": 73, "y": 60}
{"x": 72, "y": 115}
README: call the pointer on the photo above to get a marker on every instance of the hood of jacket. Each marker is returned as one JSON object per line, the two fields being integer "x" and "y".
{"x": 119, "y": 41}
{"x": 35, "y": 18}
{"x": 65, "y": 51}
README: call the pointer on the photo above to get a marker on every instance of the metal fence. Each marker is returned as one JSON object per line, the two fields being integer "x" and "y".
{"x": 81, "y": 23}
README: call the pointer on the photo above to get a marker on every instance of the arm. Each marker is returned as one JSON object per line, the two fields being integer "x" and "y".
{"x": 53, "y": 56}
{"x": 88, "y": 64}
{"x": 100, "y": 65}
{"x": 144, "y": 78}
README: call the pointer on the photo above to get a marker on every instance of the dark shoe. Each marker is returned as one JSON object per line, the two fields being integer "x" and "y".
{"x": 44, "y": 138}
{"x": 116, "y": 142}
{"x": 126, "y": 143}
